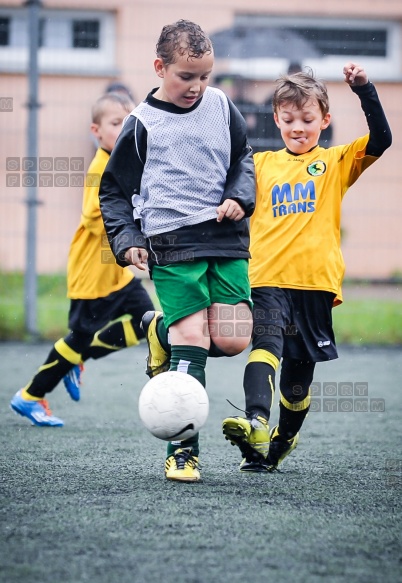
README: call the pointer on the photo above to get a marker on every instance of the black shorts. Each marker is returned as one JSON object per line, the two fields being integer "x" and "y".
{"x": 293, "y": 323}
{"x": 88, "y": 316}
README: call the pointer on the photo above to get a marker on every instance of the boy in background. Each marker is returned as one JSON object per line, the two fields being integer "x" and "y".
{"x": 107, "y": 301}
{"x": 184, "y": 154}
{"x": 297, "y": 267}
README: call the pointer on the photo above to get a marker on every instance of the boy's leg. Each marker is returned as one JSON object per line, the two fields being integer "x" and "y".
{"x": 230, "y": 327}
{"x": 271, "y": 312}
{"x": 311, "y": 339}
{"x": 185, "y": 315}
{"x": 124, "y": 309}
{"x": 65, "y": 353}
{"x": 159, "y": 346}
{"x": 190, "y": 359}
{"x": 251, "y": 434}
{"x": 220, "y": 285}
{"x": 118, "y": 334}
{"x": 115, "y": 320}
{"x": 230, "y": 321}
{"x": 295, "y": 381}
{"x": 294, "y": 386}
{"x": 29, "y": 401}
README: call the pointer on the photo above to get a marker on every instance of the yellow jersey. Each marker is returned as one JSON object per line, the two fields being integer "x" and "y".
{"x": 92, "y": 271}
{"x": 295, "y": 228}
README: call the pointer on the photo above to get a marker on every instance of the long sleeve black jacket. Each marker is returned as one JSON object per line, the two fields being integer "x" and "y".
{"x": 122, "y": 179}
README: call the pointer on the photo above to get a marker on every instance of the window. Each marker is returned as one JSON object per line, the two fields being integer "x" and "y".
{"x": 69, "y": 41}
{"x": 86, "y": 34}
{"x": 320, "y": 43}
{"x": 354, "y": 41}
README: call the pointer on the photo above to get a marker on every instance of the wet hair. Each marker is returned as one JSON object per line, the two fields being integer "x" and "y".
{"x": 182, "y": 38}
{"x": 98, "y": 109}
{"x": 298, "y": 89}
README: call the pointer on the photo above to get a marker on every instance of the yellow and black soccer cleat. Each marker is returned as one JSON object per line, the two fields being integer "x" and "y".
{"x": 252, "y": 438}
{"x": 182, "y": 466}
{"x": 158, "y": 359}
{"x": 279, "y": 448}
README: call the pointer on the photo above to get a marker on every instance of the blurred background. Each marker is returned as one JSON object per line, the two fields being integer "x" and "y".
{"x": 84, "y": 45}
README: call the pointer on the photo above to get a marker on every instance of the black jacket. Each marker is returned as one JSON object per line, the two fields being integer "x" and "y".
{"x": 122, "y": 179}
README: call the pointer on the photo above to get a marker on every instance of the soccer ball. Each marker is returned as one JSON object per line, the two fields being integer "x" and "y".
{"x": 173, "y": 406}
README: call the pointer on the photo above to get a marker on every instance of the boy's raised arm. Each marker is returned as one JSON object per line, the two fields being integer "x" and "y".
{"x": 380, "y": 132}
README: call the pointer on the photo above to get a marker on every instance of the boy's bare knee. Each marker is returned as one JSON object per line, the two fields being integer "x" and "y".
{"x": 232, "y": 346}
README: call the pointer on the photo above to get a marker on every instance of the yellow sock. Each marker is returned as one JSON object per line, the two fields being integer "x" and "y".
{"x": 25, "y": 395}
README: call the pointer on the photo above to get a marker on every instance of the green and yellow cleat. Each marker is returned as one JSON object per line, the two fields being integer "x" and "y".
{"x": 182, "y": 466}
{"x": 252, "y": 438}
{"x": 158, "y": 359}
{"x": 279, "y": 449}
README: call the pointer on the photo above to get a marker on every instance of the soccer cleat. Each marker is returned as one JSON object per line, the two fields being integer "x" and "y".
{"x": 252, "y": 438}
{"x": 182, "y": 466}
{"x": 158, "y": 359}
{"x": 38, "y": 412}
{"x": 72, "y": 381}
{"x": 279, "y": 448}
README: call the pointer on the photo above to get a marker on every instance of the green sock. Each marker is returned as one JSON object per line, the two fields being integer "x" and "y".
{"x": 192, "y": 442}
{"x": 190, "y": 360}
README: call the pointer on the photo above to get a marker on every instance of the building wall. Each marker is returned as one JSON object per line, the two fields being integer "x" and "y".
{"x": 372, "y": 208}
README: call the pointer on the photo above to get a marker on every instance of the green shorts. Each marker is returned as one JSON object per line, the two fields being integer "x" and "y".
{"x": 186, "y": 288}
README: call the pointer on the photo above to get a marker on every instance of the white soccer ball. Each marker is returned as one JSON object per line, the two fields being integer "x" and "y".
{"x": 173, "y": 406}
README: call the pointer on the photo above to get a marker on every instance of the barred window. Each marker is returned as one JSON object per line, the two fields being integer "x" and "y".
{"x": 85, "y": 34}
{"x": 70, "y": 41}
{"x": 350, "y": 41}
{"x": 260, "y": 46}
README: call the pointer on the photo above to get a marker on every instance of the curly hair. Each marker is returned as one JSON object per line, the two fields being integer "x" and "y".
{"x": 182, "y": 38}
{"x": 298, "y": 89}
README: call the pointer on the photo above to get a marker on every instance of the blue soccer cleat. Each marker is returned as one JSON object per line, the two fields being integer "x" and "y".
{"x": 37, "y": 412}
{"x": 72, "y": 381}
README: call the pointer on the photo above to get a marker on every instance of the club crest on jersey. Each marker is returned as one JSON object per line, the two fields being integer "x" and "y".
{"x": 317, "y": 168}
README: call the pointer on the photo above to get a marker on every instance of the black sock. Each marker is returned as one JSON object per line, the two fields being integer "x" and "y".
{"x": 295, "y": 381}
{"x": 290, "y": 422}
{"x": 259, "y": 388}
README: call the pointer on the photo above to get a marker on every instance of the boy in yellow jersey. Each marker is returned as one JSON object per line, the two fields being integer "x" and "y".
{"x": 297, "y": 268}
{"x": 107, "y": 302}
